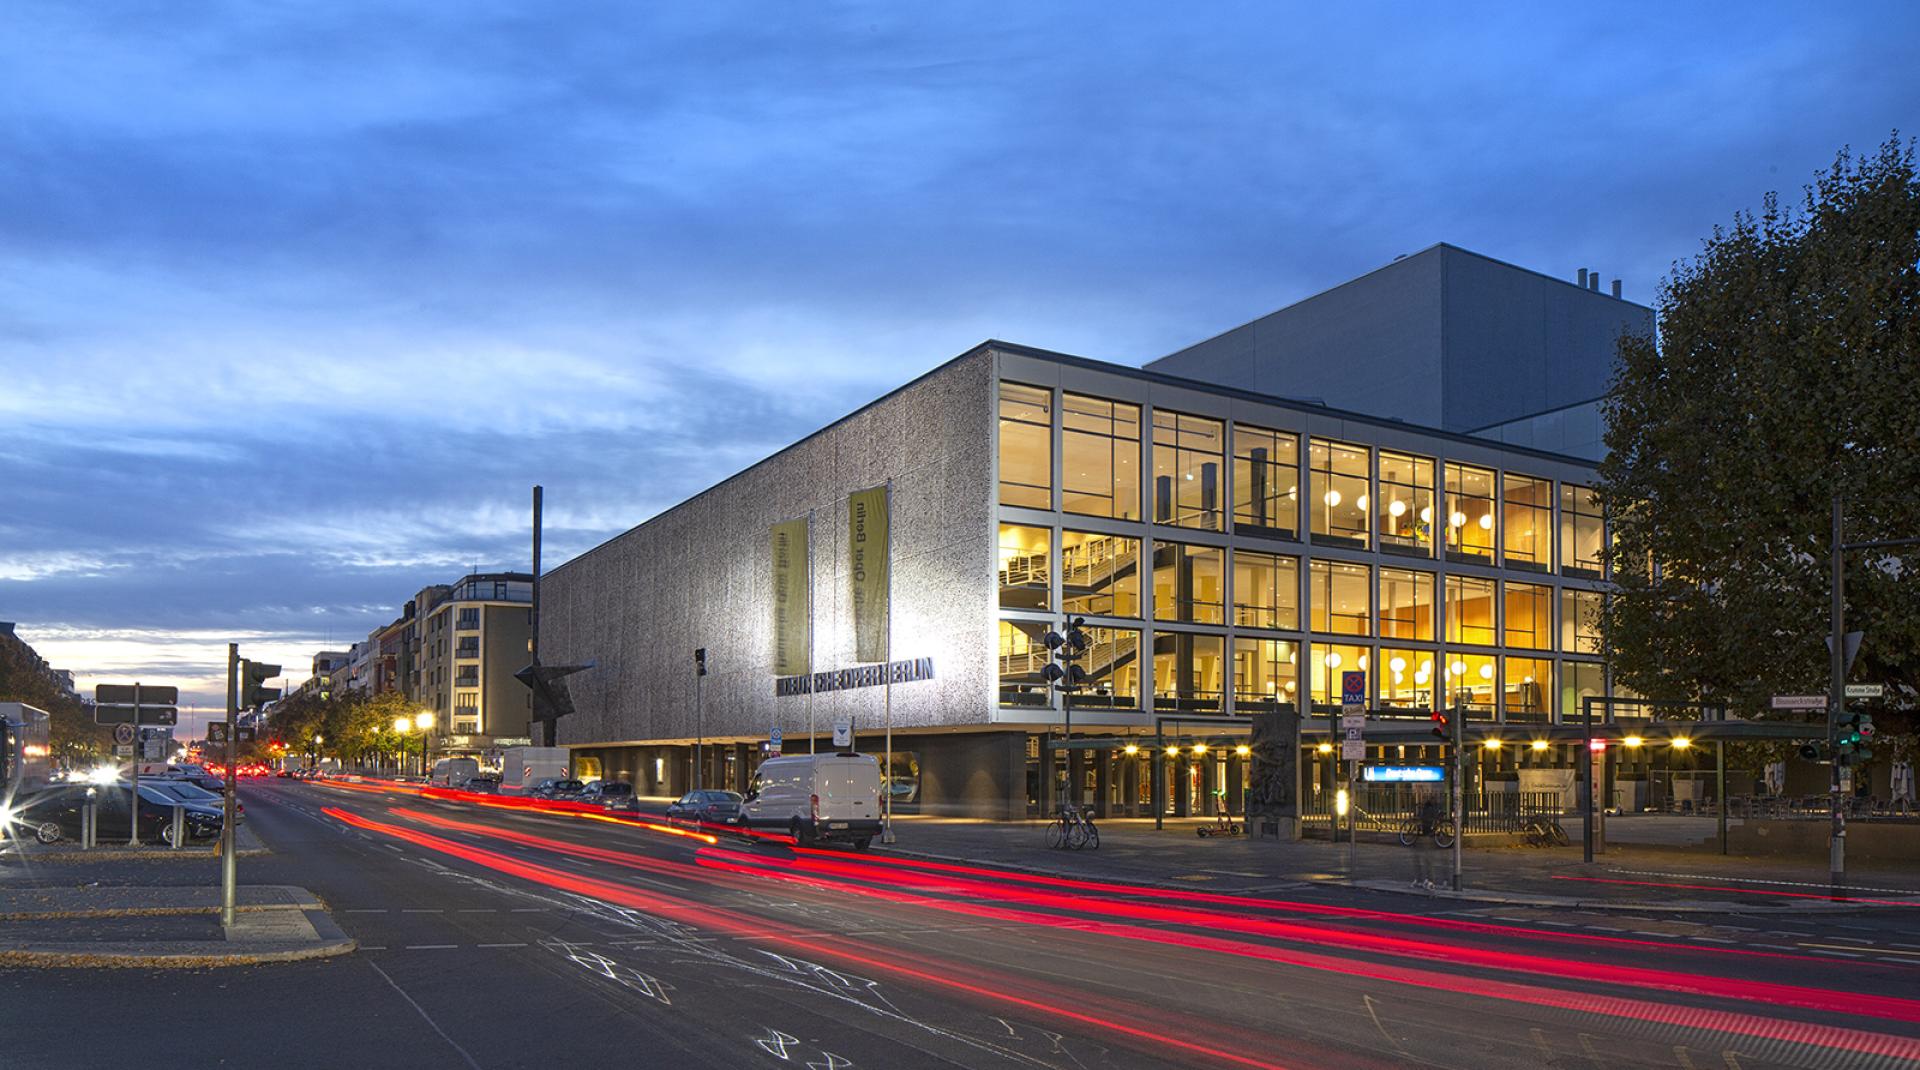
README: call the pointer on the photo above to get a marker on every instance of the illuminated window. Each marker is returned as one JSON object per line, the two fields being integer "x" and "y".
{"x": 1328, "y": 662}
{"x": 1580, "y": 621}
{"x": 1472, "y": 679}
{"x": 1100, "y": 457}
{"x": 1266, "y": 481}
{"x": 1188, "y": 584}
{"x": 1186, "y": 470}
{"x": 1408, "y": 678}
{"x": 1470, "y": 611}
{"x": 1582, "y": 531}
{"x": 1264, "y": 671}
{"x": 1341, "y": 597}
{"x": 1338, "y": 497}
{"x": 1579, "y": 680}
{"x": 1405, "y": 511}
{"x": 1528, "y": 694}
{"x": 1100, "y": 574}
{"x": 1188, "y": 672}
{"x": 1023, "y": 567}
{"x": 1022, "y": 657}
{"x": 1026, "y": 446}
{"x": 1470, "y": 522}
{"x": 1112, "y": 662}
{"x": 1529, "y": 620}
{"x": 1527, "y": 505}
{"x": 1406, "y": 604}
{"x": 1266, "y": 590}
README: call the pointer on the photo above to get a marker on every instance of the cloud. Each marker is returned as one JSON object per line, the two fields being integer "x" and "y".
{"x": 297, "y": 302}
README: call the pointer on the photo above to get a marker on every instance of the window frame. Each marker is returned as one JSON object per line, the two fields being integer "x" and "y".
{"x": 1118, "y": 447}
{"x": 1416, "y": 514}
{"x": 1170, "y": 445}
{"x": 1044, "y": 492}
{"x": 1285, "y": 505}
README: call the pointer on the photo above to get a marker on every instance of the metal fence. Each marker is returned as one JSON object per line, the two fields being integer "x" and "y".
{"x": 1389, "y": 807}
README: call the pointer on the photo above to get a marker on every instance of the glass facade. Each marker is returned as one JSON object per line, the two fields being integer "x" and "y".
{"x": 1186, "y": 470}
{"x": 1100, "y": 457}
{"x": 1099, "y": 574}
{"x": 1579, "y": 621}
{"x": 1188, "y": 583}
{"x": 1406, "y": 678}
{"x": 1266, "y": 482}
{"x": 1406, "y": 604}
{"x": 1266, "y": 591}
{"x": 1329, "y": 660}
{"x": 1470, "y": 611}
{"x": 1231, "y": 632}
{"x": 1529, "y": 615}
{"x": 1582, "y": 531}
{"x": 1265, "y": 670}
{"x": 1341, "y": 595}
{"x": 1405, "y": 515}
{"x": 1026, "y": 446}
{"x": 1527, "y": 538}
{"x": 1339, "y": 493}
{"x": 1188, "y": 672}
{"x": 1024, "y": 567}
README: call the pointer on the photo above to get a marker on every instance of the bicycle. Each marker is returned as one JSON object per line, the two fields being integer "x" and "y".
{"x": 1544, "y": 832}
{"x": 1074, "y": 829}
{"x": 1414, "y": 828}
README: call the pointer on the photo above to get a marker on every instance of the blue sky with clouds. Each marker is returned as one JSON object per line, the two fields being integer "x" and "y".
{"x": 297, "y": 300}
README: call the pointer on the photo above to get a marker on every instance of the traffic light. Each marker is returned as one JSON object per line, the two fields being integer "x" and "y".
{"x": 1442, "y": 729}
{"x": 253, "y": 680}
{"x": 1810, "y": 751}
{"x": 1068, "y": 646}
{"x": 1853, "y": 731}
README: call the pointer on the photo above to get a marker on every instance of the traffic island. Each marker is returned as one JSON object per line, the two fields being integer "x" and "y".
{"x": 171, "y": 927}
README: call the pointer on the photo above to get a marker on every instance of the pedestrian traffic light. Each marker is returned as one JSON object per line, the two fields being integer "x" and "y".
{"x": 254, "y": 692}
{"x": 1441, "y": 729}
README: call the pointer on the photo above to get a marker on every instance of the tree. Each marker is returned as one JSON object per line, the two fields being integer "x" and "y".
{"x": 1787, "y": 372}
{"x": 72, "y": 734}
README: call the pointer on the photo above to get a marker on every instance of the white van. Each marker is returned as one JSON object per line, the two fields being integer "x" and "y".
{"x": 817, "y": 797}
{"x": 454, "y": 772}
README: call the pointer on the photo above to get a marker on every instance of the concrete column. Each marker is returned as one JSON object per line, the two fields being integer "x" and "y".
{"x": 1236, "y": 794}
{"x": 1130, "y": 788}
{"x": 1102, "y": 782}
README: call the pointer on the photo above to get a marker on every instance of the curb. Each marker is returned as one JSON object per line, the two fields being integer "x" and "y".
{"x": 137, "y": 956}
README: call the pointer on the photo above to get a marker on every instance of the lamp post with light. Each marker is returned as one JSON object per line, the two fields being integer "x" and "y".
{"x": 424, "y": 721}
{"x": 400, "y": 726}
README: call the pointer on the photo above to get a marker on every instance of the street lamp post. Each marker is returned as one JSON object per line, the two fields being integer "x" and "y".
{"x": 424, "y": 720}
{"x": 313, "y": 752}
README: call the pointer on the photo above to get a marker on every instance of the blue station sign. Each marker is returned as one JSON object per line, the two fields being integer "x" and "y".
{"x": 1404, "y": 774}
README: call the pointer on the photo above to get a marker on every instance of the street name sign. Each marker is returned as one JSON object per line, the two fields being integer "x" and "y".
{"x": 1866, "y": 690}
{"x": 1799, "y": 702}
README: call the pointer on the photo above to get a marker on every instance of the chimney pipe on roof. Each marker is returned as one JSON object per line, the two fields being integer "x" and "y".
{"x": 1583, "y": 278}
{"x": 1593, "y": 280}
{"x": 1616, "y": 287}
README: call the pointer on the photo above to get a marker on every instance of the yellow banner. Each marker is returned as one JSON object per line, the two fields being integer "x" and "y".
{"x": 791, "y": 613}
{"x": 867, "y": 538}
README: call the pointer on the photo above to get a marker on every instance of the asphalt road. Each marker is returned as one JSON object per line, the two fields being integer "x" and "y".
{"x": 496, "y": 938}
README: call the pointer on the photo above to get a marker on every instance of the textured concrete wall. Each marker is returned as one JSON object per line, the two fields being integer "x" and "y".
{"x": 700, "y": 575}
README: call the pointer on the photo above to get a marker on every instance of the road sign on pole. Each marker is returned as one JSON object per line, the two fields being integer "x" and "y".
{"x": 1799, "y": 702}
{"x": 123, "y": 734}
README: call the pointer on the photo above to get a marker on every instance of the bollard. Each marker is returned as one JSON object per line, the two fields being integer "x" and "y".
{"x": 88, "y": 814}
{"x": 179, "y": 826}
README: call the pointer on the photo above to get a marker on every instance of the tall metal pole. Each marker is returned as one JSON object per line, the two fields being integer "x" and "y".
{"x": 228, "y": 874}
{"x": 699, "y": 722}
{"x": 812, "y": 743}
{"x": 886, "y": 681}
{"x": 1587, "y": 778}
{"x": 1836, "y": 700}
{"x": 533, "y": 614}
{"x": 139, "y": 745}
{"x": 1459, "y": 789}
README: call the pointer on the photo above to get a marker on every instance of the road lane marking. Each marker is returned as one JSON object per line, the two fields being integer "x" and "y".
{"x": 500, "y": 945}
{"x": 365, "y": 910}
{"x": 1710, "y": 939}
{"x": 478, "y": 910}
{"x": 421, "y": 910}
{"x": 1835, "y": 954}
{"x": 432, "y": 947}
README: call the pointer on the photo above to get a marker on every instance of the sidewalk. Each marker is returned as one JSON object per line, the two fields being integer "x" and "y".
{"x": 67, "y": 851}
{"x": 1622, "y": 878}
{"x": 164, "y": 927}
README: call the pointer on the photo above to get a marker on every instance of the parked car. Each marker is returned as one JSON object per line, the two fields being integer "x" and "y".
{"x": 557, "y": 788}
{"x": 55, "y": 815}
{"x": 705, "y": 807}
{"x": 612, "y": 795}
{"x": 816, "y": 797}
{"x": 204, "y": 781}
{"x": 193, "y": 794}
{"x": 484, "y": 784}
